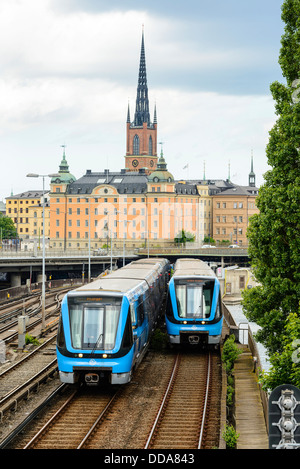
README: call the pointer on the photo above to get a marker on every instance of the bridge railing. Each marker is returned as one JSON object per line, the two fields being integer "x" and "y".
{"x": 50, "y": 253}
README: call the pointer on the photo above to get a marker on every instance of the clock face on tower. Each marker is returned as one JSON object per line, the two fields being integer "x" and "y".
{"x": 135, "y": 163}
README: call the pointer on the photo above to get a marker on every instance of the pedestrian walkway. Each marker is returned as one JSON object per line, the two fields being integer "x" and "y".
{"x": 250, "y": 421}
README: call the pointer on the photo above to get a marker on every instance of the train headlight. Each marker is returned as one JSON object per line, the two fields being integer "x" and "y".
{"x": 80, "y": 355}
{"x": 202, "y": 322}
{"x": 104, "y": 355}
{"x": 184, "y": 322}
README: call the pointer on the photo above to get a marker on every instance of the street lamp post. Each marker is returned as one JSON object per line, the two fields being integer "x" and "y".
{"x": 33, "y": 175}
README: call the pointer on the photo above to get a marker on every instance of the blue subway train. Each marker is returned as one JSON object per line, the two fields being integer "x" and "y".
{"x": 194, "y": 308}
{"x": 106, "y": 325}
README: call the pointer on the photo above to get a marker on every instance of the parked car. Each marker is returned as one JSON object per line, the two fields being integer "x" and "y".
{"x": 100, "y": 252}
{"x": 234, "y": 246}
{"x": 207, "y": 246}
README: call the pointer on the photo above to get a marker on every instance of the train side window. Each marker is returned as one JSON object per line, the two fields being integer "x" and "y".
{"x": 60, "y": 334}
{"x": 140, "y": 312}
{"x": 169, "y": 306}
{"x": 133, "y": 314}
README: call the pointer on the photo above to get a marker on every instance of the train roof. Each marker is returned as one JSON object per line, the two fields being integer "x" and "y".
{"x": 151, "y": 260}
{"x": 134, "y": 277}
{"x": 189, "y": 267}
{"x": 112, "y": 285}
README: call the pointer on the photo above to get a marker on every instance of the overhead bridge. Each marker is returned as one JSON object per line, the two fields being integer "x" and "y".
{"x": 17, "y": 267}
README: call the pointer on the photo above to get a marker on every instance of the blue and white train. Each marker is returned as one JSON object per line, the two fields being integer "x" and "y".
{"x": 194, "y": 307}
{"x": 106, "y": 325}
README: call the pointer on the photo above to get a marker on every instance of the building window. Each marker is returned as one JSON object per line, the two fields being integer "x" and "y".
{"x": 136, "y": 145}
{"x": 150, "y": 146}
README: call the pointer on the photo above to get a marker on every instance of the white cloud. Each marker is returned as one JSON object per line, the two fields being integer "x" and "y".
{"x": 65, "y": 77}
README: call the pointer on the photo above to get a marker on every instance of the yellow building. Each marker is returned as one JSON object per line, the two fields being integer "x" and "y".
{"x": 232, "y": 210}
{"x": 25, "y": 210}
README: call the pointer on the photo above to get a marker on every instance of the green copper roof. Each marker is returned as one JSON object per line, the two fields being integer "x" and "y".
{"x": 161, "y": 173}
{"x": 64, "y": 173}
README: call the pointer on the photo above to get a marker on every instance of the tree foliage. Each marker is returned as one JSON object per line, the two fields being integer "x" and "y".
{"x": 274, "y": 233}
{"x": 184, "y": 237}
{"x": 285, "y": 366}
{"x": 7, "y": 228}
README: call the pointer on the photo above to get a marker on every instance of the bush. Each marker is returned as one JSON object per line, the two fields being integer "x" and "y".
{"x": 159, "y": 340}
{"x": 29, "y": 339}
{"x": 230, "y": 436}
{"x": 230, "y": 353}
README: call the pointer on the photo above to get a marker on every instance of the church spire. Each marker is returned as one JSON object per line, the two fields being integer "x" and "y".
{"x": 141, "y": 133}
{"x": 252, "y": 173}
{"x": 142, "y": 103}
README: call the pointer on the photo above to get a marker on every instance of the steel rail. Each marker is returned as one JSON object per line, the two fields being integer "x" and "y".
{"x": 57, "y": 413}
{"x": 11, "y": 399}
{"x": 101, "y": 415}
{"x": 175, "y": 368}
{"x": 205, "y": 402}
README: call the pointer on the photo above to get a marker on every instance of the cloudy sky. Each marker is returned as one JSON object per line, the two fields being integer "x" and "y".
{"x": 68, "y": 69}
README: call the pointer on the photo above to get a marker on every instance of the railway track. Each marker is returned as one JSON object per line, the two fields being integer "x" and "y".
{"x": 31, "y": 307}
{"x": 182, "y": 417}
{"x": 73, "y": 423}
{"x": 20, "y": 378}
{"x": 97, "y": 418}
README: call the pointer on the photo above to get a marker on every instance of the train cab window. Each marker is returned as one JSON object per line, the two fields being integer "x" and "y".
{"x": 93, "y": 326}
{"x": 194, "y": 299}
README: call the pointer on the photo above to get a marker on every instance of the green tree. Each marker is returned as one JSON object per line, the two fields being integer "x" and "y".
{"x": 184, "y": 237}
{"x": 274, "y": 233}
{"x": 285, "y": 366}
{"x": 7, "y": 228}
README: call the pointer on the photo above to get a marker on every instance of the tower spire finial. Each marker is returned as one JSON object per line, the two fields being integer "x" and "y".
{"x": 142, "y": 103}
{"x": 252, "y": 178}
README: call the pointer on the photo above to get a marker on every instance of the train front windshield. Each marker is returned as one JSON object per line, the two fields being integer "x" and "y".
{"x": 194, "y": 298}
{"x": 94, "y": 322}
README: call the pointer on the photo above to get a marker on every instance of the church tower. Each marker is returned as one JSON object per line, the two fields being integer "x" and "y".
{"x": 141, "y": 136}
